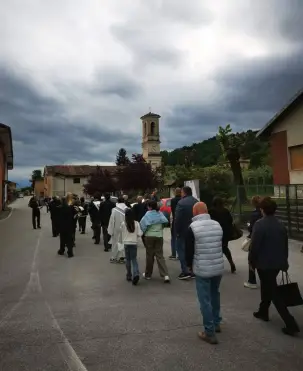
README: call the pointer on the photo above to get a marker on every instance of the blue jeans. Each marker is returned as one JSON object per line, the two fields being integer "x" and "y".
{"x": 173, "y": 244}
{"x": 132, "y": 268}
{"x": 209, "y": 298}
{"x": 180, "y": 247}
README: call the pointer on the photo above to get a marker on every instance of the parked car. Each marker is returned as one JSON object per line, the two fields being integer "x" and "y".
{"x": 21, "y": 195}
{"x": 165, "y": 207}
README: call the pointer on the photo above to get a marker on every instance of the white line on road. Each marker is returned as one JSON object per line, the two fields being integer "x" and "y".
{"x": 67, "y": 352}
{"x": 9, "y": 215}
{"x": 30, "y": 286}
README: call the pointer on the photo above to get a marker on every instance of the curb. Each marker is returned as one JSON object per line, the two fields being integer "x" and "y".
{"x": 8, "y": 216}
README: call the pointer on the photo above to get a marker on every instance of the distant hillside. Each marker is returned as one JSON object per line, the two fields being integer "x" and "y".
{"x": 208, "y": 152}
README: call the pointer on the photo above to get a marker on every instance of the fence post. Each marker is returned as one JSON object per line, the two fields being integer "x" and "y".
{"x": 287, "y": 199}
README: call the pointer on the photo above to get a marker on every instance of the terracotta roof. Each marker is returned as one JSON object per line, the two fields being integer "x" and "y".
{"x": 150, "y": 114}
{"x": 293, "y": 103}
{"x": 74, "y": 170}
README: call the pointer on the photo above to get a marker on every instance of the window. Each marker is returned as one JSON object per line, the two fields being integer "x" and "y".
{"x": 76, "y": 180}
{"x": 296, "y": 157}
{"x": 153, "y": 128}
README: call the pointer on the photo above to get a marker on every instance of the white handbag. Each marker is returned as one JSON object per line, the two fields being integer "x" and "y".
{"x": 120, "y": 246}
{"x": 246, "y": 244}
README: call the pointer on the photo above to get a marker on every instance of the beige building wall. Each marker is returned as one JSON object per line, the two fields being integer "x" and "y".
{"x": 60, "y": 189}
{"x": 293, "y": 124}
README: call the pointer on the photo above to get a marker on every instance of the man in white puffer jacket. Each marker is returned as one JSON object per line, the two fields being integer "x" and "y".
{"x": 204, "y": 256}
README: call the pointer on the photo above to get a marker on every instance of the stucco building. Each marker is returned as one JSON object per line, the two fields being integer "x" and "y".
{"x": 60, "y": 179}
{"x": 6, "y": 161}
{"x": 151, "y": 139}
{"x": 285, "y": 133}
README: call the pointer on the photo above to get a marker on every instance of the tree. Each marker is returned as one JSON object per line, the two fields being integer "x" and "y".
{"x": 231, "y": 147}
{"x": 138, "y": 158}
{"x": 122, "y": 159}
{"x": 136, "y": 176}
{"x": 36, "y": 175}
{"x": 99, "y": 181}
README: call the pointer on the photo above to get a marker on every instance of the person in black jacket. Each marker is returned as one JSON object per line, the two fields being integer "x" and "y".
{"x": 105, "y": 212}
{"x": 83, "y": 215}
{"x": 35, "y": 206}
{"x": 174, "y": 202}
{"x": 269, "y": 255}
{"x": 95, "y": 217}
{"x": 66, "y": 217}
{"x": 222, "y": 215}
{"x": 183, "y": 219}
{"x": 140, "y": 209}
{"x": 255, "y": 216}
{"x": 53, "y": 208}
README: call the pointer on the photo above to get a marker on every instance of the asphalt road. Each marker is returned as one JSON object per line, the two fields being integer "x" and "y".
{"x": 80, "y": 314}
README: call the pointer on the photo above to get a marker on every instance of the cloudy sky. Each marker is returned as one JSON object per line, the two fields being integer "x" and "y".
{"x": 75, "y": 75}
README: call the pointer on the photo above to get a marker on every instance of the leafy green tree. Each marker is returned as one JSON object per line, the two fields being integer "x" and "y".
{"x": 36, "y": 175}
{"x": 122, "y": 159}
{"x": 230, "y": 147}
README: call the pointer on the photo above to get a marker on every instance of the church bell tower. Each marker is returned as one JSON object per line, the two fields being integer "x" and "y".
{"x": 151, "y": 139}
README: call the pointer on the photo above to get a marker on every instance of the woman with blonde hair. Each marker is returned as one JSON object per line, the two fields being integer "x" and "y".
{"x": 255, "y": 216}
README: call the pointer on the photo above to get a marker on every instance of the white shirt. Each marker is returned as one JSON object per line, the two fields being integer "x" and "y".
{"x": 129, "y": 238}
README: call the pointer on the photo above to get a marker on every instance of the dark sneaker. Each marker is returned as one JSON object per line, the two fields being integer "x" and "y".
{"x": 192, "y": 276}
{"x": 60, "y": 252}
{"x": 207, "y": 338}
{"x": 121, "y": 260}
{"x": 128, "y": 278}
{"x": 70, "y": 255}
{"x": 184, "y": 276}
{"x": 146, "y": 277}
{"x": 261, "y": 316}
{"x": 172, "y": 257}
{"x": 39, "y": 227}
{"x": 290, "y": 331}
{"x": 136, "y": 280}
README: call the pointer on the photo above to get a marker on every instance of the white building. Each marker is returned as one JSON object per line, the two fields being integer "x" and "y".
{"x": 61, "y": 179}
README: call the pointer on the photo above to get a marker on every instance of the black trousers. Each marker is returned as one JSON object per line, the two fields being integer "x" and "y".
{"x": 36, "y": 218}
{"x": 106, "y": 237}
{"x": 252, "y": 276}
{"x": 66, "y": 240}
{"x": 269, "y": 293}
{"x": 227, "y": 252}
{"x": 82, "y": 224}
{"x": 97, "y": 231}
{"x": 55, "y": 227}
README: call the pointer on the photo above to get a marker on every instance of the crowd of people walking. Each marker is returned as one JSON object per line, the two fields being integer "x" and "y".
{"x": 199, "y": 240}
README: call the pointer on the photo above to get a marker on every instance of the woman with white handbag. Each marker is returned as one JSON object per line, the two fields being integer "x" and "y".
{"x": 255, "y": 216}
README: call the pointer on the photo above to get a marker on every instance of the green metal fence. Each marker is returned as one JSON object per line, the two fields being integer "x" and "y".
{"x": 289, "y": 199}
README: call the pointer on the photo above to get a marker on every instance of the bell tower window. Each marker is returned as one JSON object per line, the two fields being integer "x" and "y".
{"x": 152, "y": 128}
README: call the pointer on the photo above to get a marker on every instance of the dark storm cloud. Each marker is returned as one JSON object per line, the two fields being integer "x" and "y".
{"x": 43, "y": 134}
{"x": 263, "y": 85}
{"x": 114, "y": 81}
{"x": 273, "y": 18}
{"x": 249, "y": 94}
{"x": 144, "y": 52}
{"x": 192, "y": 12}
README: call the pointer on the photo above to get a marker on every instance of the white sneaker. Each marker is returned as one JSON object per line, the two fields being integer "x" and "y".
{"x": 147, "y": 278}
{"x": 166, "y": 279}
{"x": 250, "y": 285}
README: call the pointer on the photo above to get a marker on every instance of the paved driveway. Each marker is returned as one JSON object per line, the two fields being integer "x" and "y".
{"x": 80, "y": 314}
